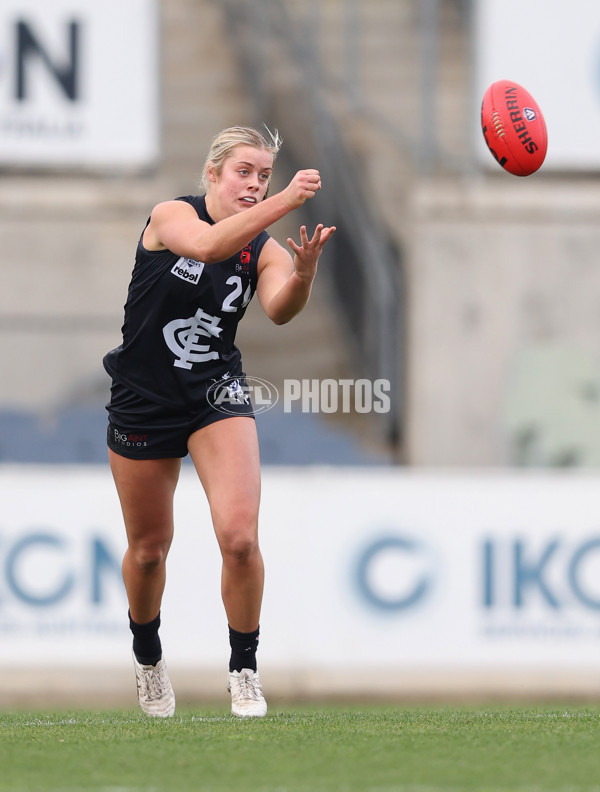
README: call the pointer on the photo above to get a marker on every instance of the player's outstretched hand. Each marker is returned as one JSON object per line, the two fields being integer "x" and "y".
{"x": 306, "y": 254}
{"x": 304, "y": 185}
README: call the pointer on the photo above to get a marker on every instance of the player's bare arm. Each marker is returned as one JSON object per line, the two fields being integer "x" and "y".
{"x": 284, "y": 284}
{"x": 175, "y": 225}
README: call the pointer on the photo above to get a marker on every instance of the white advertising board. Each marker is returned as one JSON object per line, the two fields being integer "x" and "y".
{"x": 552, "y": 48}
{"x": 79, "y": 83}
{"x": 373, "y": 568}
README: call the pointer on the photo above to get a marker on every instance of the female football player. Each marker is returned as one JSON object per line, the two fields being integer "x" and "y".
{"x": 199, "y": 261}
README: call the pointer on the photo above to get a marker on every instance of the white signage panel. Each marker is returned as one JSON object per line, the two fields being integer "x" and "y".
{"x": 552, "y": 48}
{"x": 423, "y": 570}
{"x": 373, "y": 568}
{"x": 79, "y": 83}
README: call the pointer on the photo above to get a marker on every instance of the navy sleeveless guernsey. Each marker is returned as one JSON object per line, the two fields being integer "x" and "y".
{"x": 181, "y": 317}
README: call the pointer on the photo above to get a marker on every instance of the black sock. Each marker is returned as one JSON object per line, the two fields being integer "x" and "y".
{"x": 243, "y": 650}
{"x": 146, "y": 643}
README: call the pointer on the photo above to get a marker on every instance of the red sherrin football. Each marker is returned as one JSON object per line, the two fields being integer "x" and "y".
{"x": 514, "y": 127}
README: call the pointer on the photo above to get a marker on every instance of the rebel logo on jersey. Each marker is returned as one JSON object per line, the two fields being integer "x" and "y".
{"x": 188, "y": 270}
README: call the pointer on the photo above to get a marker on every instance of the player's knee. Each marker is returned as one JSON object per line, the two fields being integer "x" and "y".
{"x": 239, "y": 545}
{"x": 149, "y": 558}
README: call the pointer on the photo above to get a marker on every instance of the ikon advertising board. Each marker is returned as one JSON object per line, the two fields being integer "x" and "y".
{"x": 552, "y": 48}
{"x": 439, "y": 571}
{"x": 79, "y": 83}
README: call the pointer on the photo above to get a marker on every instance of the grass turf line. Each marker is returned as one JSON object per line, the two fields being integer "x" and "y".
{"x": 341, "y": 749}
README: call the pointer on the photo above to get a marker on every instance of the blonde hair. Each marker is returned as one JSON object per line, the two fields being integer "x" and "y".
{"x": 224, "y": 143}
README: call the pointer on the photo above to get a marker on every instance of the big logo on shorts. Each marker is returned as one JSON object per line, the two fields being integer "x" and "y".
{"x": 130, "y": 439}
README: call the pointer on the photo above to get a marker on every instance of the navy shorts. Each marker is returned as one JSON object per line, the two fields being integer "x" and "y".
{"x": 141, "y": 429}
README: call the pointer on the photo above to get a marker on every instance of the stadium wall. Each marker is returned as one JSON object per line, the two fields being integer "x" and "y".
{"x": 381, "y": 583}
{"x": 502, "y": 322}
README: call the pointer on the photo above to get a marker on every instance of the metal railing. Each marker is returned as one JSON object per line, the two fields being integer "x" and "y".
{"x": 283, "y": 77}
{"x": 422, "y": 25}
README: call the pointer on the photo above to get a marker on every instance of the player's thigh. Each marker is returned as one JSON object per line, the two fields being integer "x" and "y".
{"x": 146, "y": 488}
{"x": 226, "y": 456}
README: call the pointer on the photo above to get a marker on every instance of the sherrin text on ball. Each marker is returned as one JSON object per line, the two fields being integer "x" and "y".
{"x": 514, "y": 128}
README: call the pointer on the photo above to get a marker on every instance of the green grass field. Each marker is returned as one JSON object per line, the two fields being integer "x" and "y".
{"x": 316, "y": 749}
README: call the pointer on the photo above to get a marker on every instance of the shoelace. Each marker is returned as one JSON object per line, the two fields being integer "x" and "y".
{"x": 249, "y": 688}
{"x": 153, "y": 683}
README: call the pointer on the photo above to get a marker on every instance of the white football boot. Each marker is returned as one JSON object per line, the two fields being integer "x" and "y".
{"x": 154, "y": 689}
{"x": 247, "y": 700}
